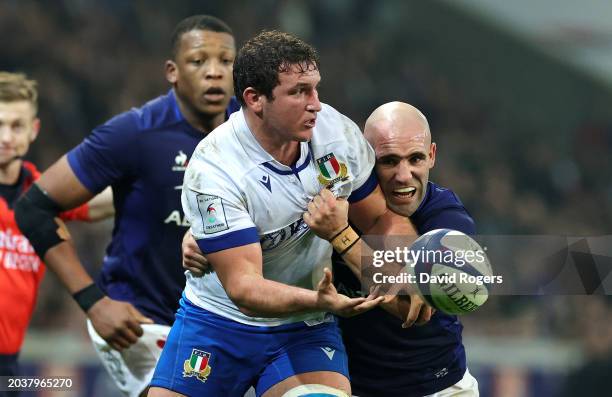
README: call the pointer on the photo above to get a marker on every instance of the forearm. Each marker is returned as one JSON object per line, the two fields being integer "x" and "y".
{"x": 257, "y": 297}
{"x": 63, "y": 261}
{"x": 101, "y": 206}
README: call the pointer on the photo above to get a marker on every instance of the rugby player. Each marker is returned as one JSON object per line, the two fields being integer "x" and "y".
{"x": 263, "y": 317}
{"x": 21, "y": 270}
{"x": 384, "y": 358}
{"x": 142, "y": 154}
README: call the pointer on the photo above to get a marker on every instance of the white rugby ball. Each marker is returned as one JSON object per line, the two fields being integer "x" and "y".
{"x": 451, "y": 270}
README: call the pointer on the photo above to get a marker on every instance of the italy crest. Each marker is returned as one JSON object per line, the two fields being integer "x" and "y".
{"x": 330, "y": 170}
{"x": 197, "y": 365}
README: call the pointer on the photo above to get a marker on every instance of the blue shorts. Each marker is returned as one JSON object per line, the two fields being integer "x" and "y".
{"x": 210, "y": 355}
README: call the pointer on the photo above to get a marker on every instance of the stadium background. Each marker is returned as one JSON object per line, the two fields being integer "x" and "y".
{"x": 519, "y": 107}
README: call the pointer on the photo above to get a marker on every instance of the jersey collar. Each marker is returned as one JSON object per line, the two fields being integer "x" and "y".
{"x": 257, "y": 153}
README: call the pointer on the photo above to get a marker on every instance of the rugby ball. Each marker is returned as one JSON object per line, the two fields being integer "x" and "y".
{"x": 451, "y": 271}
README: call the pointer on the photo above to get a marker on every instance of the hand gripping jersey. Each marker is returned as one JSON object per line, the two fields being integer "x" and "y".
{"x": 142, "y": 154}
{"x": 384, "y": 358}
{"x": 21, "y": 270}
{"x": 235, "y": 194}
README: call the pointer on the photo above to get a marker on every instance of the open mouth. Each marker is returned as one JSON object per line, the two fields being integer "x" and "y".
{"x": 310, "y": 123}
{"x": 405, "y": 192}
{"x": 214, "y": 94}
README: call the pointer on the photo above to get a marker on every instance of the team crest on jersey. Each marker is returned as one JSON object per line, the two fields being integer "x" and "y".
{"x": 331, "y": 170}
{"x": 180, "y": 161}
{"x": 197, "y": 365}
{"x": 212, "y": 213}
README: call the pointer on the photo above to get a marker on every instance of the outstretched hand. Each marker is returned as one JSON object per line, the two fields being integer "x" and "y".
{"x": 330, "y": 300}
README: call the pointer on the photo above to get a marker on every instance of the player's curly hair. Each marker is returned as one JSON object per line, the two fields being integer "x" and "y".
{"x": 197, "y": 22}
{"x": 263, "y": 57}
{"x": 17, "y": 87}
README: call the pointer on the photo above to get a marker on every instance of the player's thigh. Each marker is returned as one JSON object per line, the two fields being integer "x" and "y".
{"x": 333, "y": 380}
{"x": 306, "y": 355}
{"x": 208, "y": 355}
{"x": 132, "y": 369}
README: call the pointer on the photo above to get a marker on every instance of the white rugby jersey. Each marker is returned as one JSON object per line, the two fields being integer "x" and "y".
{"x": 235, "y": 193}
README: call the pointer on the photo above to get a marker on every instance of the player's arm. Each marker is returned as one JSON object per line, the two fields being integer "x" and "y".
{"x": 101, "y": 206}
{"x": 371, "y": 216}
{"x": 240, "y": 272}
{"x": 37, "y": 216}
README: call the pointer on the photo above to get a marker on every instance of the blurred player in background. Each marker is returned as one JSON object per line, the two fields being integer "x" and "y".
{"x": 384, "y": 358}
{"x": 142, "y": 154}
{"x": 263, "y": 317}
{"x": 21, "y": 270}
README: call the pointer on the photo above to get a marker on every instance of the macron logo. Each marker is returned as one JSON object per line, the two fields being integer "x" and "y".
{"x": 329, "y": 352}
{"x": 265, "y": 180}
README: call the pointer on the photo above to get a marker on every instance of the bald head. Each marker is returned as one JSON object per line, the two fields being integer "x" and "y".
{"x": 399, "y": 134}
{"x": 397, "y": 120}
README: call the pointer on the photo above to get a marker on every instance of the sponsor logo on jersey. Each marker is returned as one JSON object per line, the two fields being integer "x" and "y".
{"x": 16, "y": 253}
{"x": 197, "y": 365}
{"x": 290, "y": 232}
{"x": 441, "y": 373}
{"x": 212, "y": 213}
{"x": 177, "y": 218}
{"x": 265, "y": 180}
{"x": 180, "y": 162}
{"x": 331, "y": 170}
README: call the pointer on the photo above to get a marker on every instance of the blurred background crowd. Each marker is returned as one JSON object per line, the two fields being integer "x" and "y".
{"x": 524, "y": 138}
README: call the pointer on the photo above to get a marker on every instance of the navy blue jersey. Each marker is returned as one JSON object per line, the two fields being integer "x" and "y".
{"x": 142, "y": 154}
{"x": 384, "y": 358}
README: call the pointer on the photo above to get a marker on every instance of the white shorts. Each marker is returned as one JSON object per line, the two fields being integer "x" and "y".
{"x": 132, "y": 368}
{"x": 466, "y": 387}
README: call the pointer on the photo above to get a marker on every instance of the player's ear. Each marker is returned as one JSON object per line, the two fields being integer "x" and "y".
{"x": 35, "y": 129}
{"x": 171, "y": 72}
{"x": 253, "y": 99}
{"x": 432, "y": 154}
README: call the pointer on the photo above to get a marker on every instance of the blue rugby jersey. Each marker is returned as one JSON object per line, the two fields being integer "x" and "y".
{"x": 384, "y": 358}
{"x": 142, "y": 154}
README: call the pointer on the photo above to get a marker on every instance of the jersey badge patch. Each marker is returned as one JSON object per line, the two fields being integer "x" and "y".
{"x": 180, "y": 161}
{"x": 197, "y": 365}
{"x": 212, "y": 213}
{"x": 331, "y": 170}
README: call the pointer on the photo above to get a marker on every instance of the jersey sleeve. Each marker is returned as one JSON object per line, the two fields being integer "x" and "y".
{"x": 215, "y": 207}
{"x": 361, "y": 162}
{"x": 107, "y": 154}
{"x": 80, "y": 213}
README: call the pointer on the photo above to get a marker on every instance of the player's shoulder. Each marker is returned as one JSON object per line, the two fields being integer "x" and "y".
{"x": 442, "y": 207}
{"x": 221, "y": 152}
{"x": 333, "y": 126}
{"x": 155, "y": 114}
{"x": 441, "y": 197}
{"x": 222, "y": 144}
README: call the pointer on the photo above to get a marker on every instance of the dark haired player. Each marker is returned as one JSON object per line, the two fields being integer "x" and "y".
{"x": 142, "y": 154}
{"x": 265, "y": 316}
